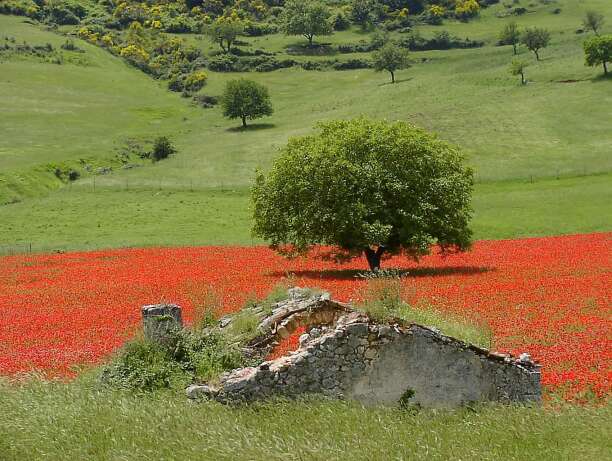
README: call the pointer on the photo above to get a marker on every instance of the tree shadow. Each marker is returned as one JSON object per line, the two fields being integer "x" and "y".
{"x": 602, "y": 78}
{"x": 417, "y": 272}
{"x": 397, "y": 81}
{"x": 252, "y": 127}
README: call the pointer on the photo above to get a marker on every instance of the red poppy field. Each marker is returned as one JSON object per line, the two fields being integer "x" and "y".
{"x": 549, "y": 296}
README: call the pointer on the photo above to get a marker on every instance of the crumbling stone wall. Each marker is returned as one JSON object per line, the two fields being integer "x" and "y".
{"x": 356, "y": 358}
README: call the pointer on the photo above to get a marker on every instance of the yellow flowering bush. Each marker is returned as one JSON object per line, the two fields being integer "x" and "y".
{"x": 466, "y": 8}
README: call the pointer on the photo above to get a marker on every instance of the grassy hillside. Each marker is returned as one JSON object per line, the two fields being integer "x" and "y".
{"x": 555, "y": 127}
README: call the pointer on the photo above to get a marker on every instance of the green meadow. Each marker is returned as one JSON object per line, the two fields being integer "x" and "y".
{"x": 541, "y": 153}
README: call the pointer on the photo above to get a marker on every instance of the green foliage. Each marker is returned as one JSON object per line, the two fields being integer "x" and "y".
{"x": 162, "y": 149}
{"x": 145, "y": 366}
{"x": 363, "y": 12}
{"x": 306, "y": 17}
{"x": 245, "y": 99}
{"x": 390, "y": 57}
{"x": 517, "y": 67}
{"x": 598, "y": 50}
{"x": 510, "y": 35}
{"x": 593, "y": 21}
{"x": 535, "y": 38}
{"x": 225, "y": 31}
{"x": 361, "y": 183}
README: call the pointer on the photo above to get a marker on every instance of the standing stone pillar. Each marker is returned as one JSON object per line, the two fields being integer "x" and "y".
{"x": 161, "y": 321}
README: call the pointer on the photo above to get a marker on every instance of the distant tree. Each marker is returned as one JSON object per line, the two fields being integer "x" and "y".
{"x": 162, "y": 149}
{"x": 598, "y": 50}
{"x": 308, "y": 18}
{"x": 365, "y": 187}
{"x": 535, "y": 38}
{"x": 593, "y": 21}
{"x": 391, "y": 58}
{"x": 245, "y": 99}
{"x": 362, "y": 12}
{"x": 517, "y": 67}
{"x": 225, "y": 30}
{"x": 510, "y": 35}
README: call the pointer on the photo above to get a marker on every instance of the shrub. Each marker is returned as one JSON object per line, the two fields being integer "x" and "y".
{"x": 162, "y": 149}
{"x": 206, "y": 101}
{"x": 223, "y": 63}
{"x": 257, "y": 29}
{"x": 145, "y": 366}
{"x": 440, "y": 41}
{"x": 341, "y": 22}
{"x": 352, "y": 64}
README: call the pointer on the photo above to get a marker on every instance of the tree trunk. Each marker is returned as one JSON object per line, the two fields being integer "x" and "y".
{"x": 310, "y": 39}
{"x": 514, "y": 48}
{"x": 522, "y": 78}
{"x": 374, "y": 257}
{"x": 244, "y": 125}
{"x": 392, "y": 76}
{"x": 537, "y": 55}
{"x": 605, "y": 68}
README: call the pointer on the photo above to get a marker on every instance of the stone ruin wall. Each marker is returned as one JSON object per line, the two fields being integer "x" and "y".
{"x": 346, "y": 355}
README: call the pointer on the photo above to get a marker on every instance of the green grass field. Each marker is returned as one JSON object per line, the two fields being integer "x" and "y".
{"x": 516, "y": 138}
{"x": 81, "y": 421}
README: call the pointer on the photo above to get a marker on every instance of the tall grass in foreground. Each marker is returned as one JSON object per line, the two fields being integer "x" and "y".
{"x": 55, "y": 421}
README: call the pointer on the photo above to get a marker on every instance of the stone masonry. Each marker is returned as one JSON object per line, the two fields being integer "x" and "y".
{"x": 346, "y": 355}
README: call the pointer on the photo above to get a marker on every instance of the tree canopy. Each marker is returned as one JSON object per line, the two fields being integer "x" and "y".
{"x": 245, "y": 99}
{"x": 510, "y": 35}
{"x": 308, "y": 18}
{"x": 365, "y": 186}
{"x": 390, "y": 57}
{"x": 598, "y": 51}
{"x": 535, "y": 38}
{"x": 224, "y": 31}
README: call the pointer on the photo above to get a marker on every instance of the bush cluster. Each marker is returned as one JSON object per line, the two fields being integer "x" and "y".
{"x": 145, "y": 366}
{"x": 440, "y": 41}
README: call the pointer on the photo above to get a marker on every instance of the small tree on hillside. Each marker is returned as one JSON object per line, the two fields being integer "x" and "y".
{"x": 510, "y": 35}
{"x": 517, "y": 67}
{"x": 225, "y": 30}
{"x": 162, "y": 149}
{"x": 245, "y": 99}
{"x": 593, "y": 21}
{"x": 598, "y": 50}
{"x": 308, "y": 18}
{"x": 362, "y": 186}
{"x": 391, "y": 58}
{"x": 535, "y": 38}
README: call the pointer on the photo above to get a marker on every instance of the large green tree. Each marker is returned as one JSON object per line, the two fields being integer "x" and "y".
{"x": 308, "y": 18}
{"x": 598, "y": 51}
{"x": 363, "y": 186}
{"x": 245, "y": 99}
